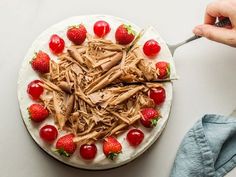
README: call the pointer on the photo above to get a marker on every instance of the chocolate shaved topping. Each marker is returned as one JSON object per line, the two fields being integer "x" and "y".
{"x": 65, "y": 86}
{"x": 76, "y": 55}
{"x": 126, "y": 95}
{"x": 111, "y": 62}
{"x": 89, "y": 90}
{"x": 70, "y": 105}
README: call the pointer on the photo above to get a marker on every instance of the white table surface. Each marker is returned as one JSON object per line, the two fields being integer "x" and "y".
{"x": 207, "y": 81}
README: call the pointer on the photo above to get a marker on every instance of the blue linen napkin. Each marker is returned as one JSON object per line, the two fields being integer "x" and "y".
{"x": 208, "y": 149}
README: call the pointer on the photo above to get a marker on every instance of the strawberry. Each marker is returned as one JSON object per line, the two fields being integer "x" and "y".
{"x": 77, "y": 34}
{"x": 65, "y": 145}
{"x": 111, "y": 147}
{"x": 149, "y": 117}
{"x": 163, "y": 69}
{"x": 41, "y": 62}
{"x": 124, "y": 34}
{"x": 38, "y": 112}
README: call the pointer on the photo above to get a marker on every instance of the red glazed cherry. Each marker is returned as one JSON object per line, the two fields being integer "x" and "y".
{"x": 34, "y": 89}
{"x": 151, "y": 48}
{"x": 158, "y": 95}
{"x": 48, "y": 133}
{"x": 88, "y": 151}
{"x": 56, "y": 44}
{"x": 101, "y": 28}
{"x": 135, "y": 137}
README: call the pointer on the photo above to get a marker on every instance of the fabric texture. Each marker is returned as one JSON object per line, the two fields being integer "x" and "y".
{"x": 208, "y": 149}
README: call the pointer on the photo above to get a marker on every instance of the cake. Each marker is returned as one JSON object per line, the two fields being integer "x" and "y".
{"x": 97, "y": 92}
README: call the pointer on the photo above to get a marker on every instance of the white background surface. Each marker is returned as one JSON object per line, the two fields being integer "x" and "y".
{"x": 207, "y": 81}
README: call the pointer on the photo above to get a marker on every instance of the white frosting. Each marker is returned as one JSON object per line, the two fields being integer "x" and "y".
{"x": 26, "y": 75}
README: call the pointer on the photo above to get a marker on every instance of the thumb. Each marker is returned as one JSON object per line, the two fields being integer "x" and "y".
{"x": 222, "y": 35}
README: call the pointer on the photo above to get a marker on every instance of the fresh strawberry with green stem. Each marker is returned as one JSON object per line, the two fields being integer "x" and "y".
{"x": 38, "y": 112}
{"x": 41, "y": 62}
{"x": 163, "y": 69}
{"x": 65, "y": 145}
{"x": 111, "y": 147}
{"x": 124, "y": 34}
{"x": 77, "y": 34}
{"x": 149, "y": 117}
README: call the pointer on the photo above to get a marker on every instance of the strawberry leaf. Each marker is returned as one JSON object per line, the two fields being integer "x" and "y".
{"x": 135, "y": 41}
{"x": 129, "y": 29}
{"x": 34, "y": 56}
{"x": 154, "y": 122}
{"x": 168, "y": 71}
{"x": 62, "y": 152}
{"x": 30, "y": 117}
{"x": 75, "y": 26}
{"x": 112, "y": 155}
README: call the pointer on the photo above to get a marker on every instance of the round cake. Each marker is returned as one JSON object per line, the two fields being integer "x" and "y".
{"x": 107, "y": 96}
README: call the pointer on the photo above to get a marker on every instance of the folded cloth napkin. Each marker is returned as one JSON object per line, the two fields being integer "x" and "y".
{"x": 208, "y": 149}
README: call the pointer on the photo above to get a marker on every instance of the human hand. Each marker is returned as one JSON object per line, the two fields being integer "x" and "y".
{"x": 218, "y": 10}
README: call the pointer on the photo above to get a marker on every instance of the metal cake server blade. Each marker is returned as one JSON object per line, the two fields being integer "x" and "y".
{"x": 221, "y": 23}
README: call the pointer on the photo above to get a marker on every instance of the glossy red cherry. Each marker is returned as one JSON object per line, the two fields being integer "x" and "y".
{"x": 56, "y": 44}
{"x": 34, "y": 89}
{"x": 48, "y": 133}
{"x": 158, "y": 95}
{"x": 101, "y": 28}
{"x": 151, "y": 48}
{"x": 135, "y": 137}
{"x": 88, "y": 151}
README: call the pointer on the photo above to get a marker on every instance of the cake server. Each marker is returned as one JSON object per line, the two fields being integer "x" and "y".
{"x": 221, "y": 23}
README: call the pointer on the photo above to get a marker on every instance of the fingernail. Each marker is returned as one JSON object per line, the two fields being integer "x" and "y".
{"x": 197, "y": 31}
